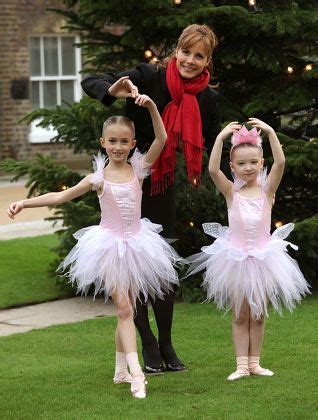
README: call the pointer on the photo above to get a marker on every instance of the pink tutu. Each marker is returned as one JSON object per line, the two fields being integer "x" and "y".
{"x": 233, "y": 275}
{"x": 140, "y": 264}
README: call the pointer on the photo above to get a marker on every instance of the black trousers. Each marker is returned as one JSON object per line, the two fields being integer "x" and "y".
{"x": 159, "y": 209}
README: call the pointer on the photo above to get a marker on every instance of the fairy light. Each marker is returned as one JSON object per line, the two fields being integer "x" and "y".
{"x": 278, "y": 224}
{"x": 195, "y": 181}
{"x": 154, "y": 60}
{"x": 308, "y": 67}
{"x": 177, "y": 2}
{"x": 191, "y": 224}
{"x": 290, "y": 70}
{"x": 148, "y": 54}
{"x": 256, "y": 8}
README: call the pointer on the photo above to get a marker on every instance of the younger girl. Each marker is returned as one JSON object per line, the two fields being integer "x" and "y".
{"x": 123, "y": 256}
{"x": 246, "y": 266}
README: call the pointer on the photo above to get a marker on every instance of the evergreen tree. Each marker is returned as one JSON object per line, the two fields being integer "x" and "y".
{"x": 266, "y": 66}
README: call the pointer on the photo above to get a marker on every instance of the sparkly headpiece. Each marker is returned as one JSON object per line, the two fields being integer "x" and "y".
{"x": 245, "y": 136}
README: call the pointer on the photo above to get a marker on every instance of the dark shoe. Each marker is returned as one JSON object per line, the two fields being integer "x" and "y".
{"x": 170, "y": 367}
{"x": 151, "y": 370}
{"x": 172, "y": 361}
{"x": 153, "y": 364}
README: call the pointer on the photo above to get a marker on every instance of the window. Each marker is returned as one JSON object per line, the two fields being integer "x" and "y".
{"x": 54, "y": 67}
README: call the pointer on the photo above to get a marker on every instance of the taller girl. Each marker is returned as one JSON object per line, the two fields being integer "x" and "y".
{"x": 188, "y": 105}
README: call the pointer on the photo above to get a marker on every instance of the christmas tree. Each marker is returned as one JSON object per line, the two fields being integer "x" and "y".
{"x": 265, "y": 66}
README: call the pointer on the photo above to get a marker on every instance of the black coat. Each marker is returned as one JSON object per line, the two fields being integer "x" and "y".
{"x": 151, "y": 80}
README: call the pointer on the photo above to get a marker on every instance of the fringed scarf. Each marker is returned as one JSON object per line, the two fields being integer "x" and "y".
{"x": 182, "y": 120}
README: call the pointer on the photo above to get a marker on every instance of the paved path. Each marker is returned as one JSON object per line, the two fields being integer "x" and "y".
{"x": 30, "y": 223}
{"x": 67, "y": 311}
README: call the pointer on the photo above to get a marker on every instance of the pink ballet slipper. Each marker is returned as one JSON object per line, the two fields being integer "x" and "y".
{"x": 138, "y": 385}
{"x": 122, "y": 378}
{"x": 238, "y": 374}
{"x": 258, "y": 370}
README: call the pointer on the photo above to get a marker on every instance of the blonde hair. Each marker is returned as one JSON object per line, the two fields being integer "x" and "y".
{"x": 191, "y": 35}
{"x": 119, "y": 119}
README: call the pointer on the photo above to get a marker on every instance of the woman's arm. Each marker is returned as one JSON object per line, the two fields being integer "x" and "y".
{"x": 277, "y": 170}
{"x": 97, "y": 85}
{"x": 50, "y": 199}
{"x": 221, "y": 182}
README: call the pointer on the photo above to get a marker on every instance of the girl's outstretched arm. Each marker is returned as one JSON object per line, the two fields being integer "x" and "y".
{"x": 221, "y": 182}
{"x": 159, "y": 129}
{"x": 277, "y": 169}
{"x": 50, "y": 199}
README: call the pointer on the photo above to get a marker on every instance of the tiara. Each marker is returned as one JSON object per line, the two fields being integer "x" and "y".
{"x": 245, "y": 136}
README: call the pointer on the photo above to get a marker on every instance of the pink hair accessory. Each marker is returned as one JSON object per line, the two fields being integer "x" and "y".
{"x": 245, "y": 136}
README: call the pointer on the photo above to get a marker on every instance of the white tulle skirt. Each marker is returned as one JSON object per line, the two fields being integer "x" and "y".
{"x": 143, "y": 264}
{"x": 262, "y": 275}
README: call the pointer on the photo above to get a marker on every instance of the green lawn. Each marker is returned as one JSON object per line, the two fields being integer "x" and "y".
{"x": 24, "y": 271}
{"x": 65, "y": 372}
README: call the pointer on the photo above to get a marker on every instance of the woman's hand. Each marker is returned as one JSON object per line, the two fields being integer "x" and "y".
{"x": 145, "y": 101}
{"x": 123, "y": 88}
{"x": 229, "y": 129}
{"x": 255, "y": 122}
{"x": 15, "y": 208}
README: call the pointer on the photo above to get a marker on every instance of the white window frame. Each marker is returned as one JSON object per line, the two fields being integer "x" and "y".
{"x": 45, "y": 135}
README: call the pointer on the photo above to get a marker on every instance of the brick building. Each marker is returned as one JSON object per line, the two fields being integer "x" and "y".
{"x": 39, "y": 68}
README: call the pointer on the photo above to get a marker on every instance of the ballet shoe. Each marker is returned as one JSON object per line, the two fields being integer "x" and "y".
{"x": 138, "y": 385}
{"x": 122, "y": 378}
{"x": 261, "y": 371}
{"x": 238, "y": 374}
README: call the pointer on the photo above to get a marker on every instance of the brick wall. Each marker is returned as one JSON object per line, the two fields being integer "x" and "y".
{"x": 20, "y": 19}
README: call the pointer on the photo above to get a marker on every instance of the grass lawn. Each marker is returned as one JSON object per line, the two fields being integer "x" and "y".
{"x": 65, "y": 372}
{"x": 24, "y": 271}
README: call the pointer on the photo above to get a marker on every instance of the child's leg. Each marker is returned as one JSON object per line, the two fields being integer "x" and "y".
{"x": 256, "y": 342}
{"x": 240, "y": 335}
{"x": 121, "y": 372}
{"x": 127, "y": 339}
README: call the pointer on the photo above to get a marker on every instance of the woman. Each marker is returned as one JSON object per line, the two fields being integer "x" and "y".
{"x": 188, "y": 105}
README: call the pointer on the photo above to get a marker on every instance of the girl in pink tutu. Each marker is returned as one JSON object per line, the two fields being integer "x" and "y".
{"x": 246, "y": 266}
{"x": 123, "y": 256}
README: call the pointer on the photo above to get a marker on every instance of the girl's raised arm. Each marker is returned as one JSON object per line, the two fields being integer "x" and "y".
{"x": 277, "y": 169}
{"x": 221, "y": 182}
{"x": 160, "y": 132}
{"x": 50, "y": 199}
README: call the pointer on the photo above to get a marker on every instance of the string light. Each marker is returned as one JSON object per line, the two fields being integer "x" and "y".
{"x": 195, "y": 181}
{"x": 308, "y": 67}
{"x": 177, "y": 2}
{"x": 290, "y": 70}
{"x": 191, "y": 224}
{"x": 253, "y": 4}
{"x": 278, "y": 224}
{"x": 64, "y": 187}
{"x": 154, "y": 60}
{"x": 148, "y": 54}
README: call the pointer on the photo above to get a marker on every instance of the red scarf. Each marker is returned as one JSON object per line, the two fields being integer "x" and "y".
{"x": 182, "y": 120}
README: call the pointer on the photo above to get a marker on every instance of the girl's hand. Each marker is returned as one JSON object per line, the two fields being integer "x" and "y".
{"x": 123, "y": 88}
{"x": 229, "y": 129}
{"x": 145, "y": 101}
{"x": 255, "y": 122}
{"x": 15, "y": 208}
